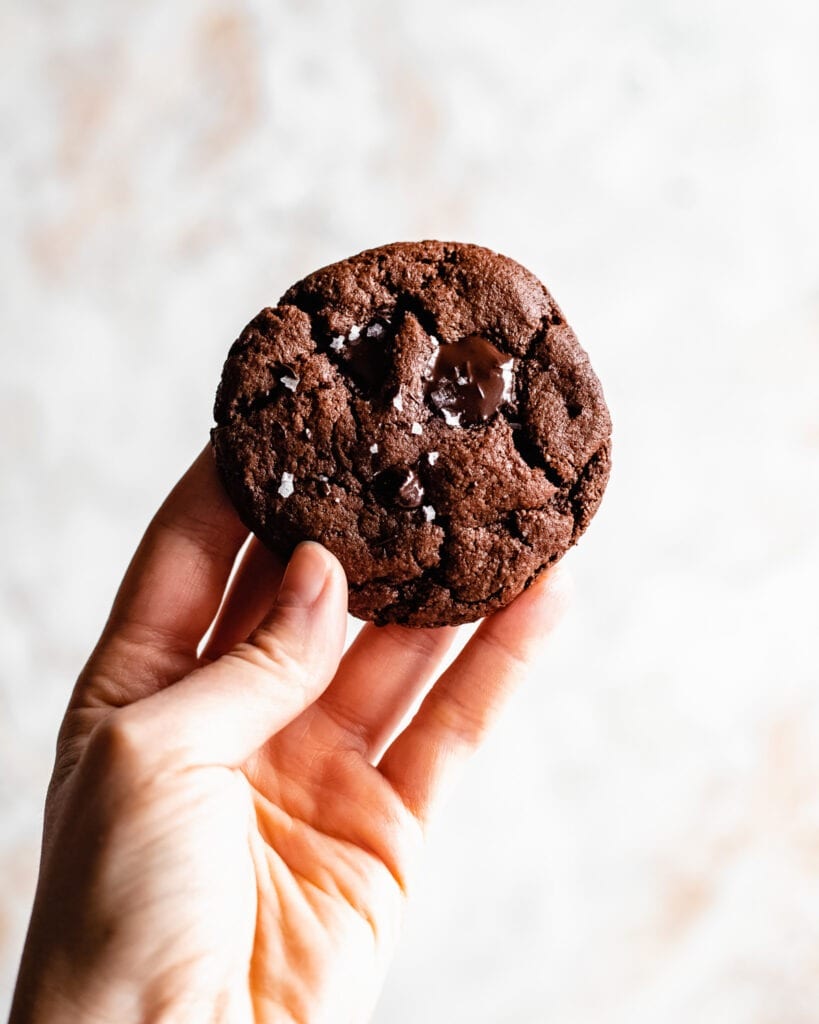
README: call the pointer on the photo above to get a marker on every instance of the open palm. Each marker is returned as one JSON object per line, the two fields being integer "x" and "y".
{"x": 230, "y": 832}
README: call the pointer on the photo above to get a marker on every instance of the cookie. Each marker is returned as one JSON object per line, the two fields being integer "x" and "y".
{"x": 425, "y": 412}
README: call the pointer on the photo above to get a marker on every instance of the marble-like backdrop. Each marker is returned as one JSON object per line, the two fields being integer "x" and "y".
{"x": 640, "y": 839}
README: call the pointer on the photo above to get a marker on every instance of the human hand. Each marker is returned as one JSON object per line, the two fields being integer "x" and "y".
{"x": 229, "y": 835}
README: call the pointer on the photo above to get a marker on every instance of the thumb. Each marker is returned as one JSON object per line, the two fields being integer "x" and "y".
{"x": 222, "y": 713}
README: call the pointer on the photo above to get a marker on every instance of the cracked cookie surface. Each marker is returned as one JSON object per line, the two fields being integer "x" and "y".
{"x": 425, "y": 412}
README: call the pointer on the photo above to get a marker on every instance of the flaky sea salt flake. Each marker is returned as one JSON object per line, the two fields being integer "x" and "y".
{"x": 416, "y": 428}
{"x": 286, "y": 486}
{"x": 507, "y": 374}
{"x": 429, "y": 512}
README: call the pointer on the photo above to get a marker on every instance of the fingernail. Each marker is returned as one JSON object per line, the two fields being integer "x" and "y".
{"x": 304, "y": 577}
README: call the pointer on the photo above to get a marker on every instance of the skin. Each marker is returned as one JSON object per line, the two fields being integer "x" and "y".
{"x": 232, "y": 828}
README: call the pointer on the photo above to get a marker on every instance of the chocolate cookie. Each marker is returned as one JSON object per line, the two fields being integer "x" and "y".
{"x": 425, "y": 412}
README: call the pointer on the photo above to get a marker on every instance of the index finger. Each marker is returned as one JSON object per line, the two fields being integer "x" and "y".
{"x": 170, "y": 593}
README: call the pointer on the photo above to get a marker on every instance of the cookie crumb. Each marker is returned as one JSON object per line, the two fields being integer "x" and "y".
{"x": 429, "y": 512}
{"x": 286, "y": 486}
{"x": 417, "y": 428}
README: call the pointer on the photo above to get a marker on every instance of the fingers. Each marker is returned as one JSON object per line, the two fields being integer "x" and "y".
{"x": 170, "y": 593}
{"x": 457, "y": 712}
{"x": 379, "y": 678}
{"x": 222, "y": 713}
{"x": 250, "y": 595}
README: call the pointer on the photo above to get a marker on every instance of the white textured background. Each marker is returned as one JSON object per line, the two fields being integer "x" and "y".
{"x": 640, "y": 840}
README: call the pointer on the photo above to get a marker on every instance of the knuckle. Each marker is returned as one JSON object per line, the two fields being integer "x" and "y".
{"x": 457, "y": 716}
{"x": 514, "y": 659}
{"x": 269, "y": 645}
{"x": 348, "y": 723}
{"x": 118, "y": 743}
{"x": 266, "y": 650}
{"x": 193, "y": 528}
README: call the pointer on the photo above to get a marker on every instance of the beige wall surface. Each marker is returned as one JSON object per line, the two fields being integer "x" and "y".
{"x": 639, "y": 841}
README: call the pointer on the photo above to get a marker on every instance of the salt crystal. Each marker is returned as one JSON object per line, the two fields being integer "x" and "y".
{"x": 290, "y": 382}
{"x": 286, "y": 486}
{"x": 398, "y": 402}
{"x": 508, "y": 383}
{"x": 373, "y": 448}
{"x": 429, "y": 512}
{"x": 337, "y": 344}
{"x": 432, "y": 457}
{"x": 417, "y": 428}
{"x": 355, "y": 333}
{"x": 452, "y": 419}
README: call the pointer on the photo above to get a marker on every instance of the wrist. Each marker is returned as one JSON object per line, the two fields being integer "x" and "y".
{"x": 52, "y": 988}
{"x": 44, "y": 995}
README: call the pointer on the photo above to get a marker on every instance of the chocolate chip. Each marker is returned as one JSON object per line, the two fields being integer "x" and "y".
{"x": 469, "y": 380}
{"x": 366, "y": 357}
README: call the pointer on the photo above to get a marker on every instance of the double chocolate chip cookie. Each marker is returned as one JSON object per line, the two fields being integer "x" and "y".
{"x": 425, "y": 412}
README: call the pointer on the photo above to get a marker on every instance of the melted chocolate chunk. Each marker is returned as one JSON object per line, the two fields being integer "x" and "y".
{"x": 469, "y": 380}
{"x": 400, "y": 487}
{"x": 366, "y": 356}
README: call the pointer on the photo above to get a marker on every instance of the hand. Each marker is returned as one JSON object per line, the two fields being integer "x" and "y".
{"x": 229, "y": 836}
